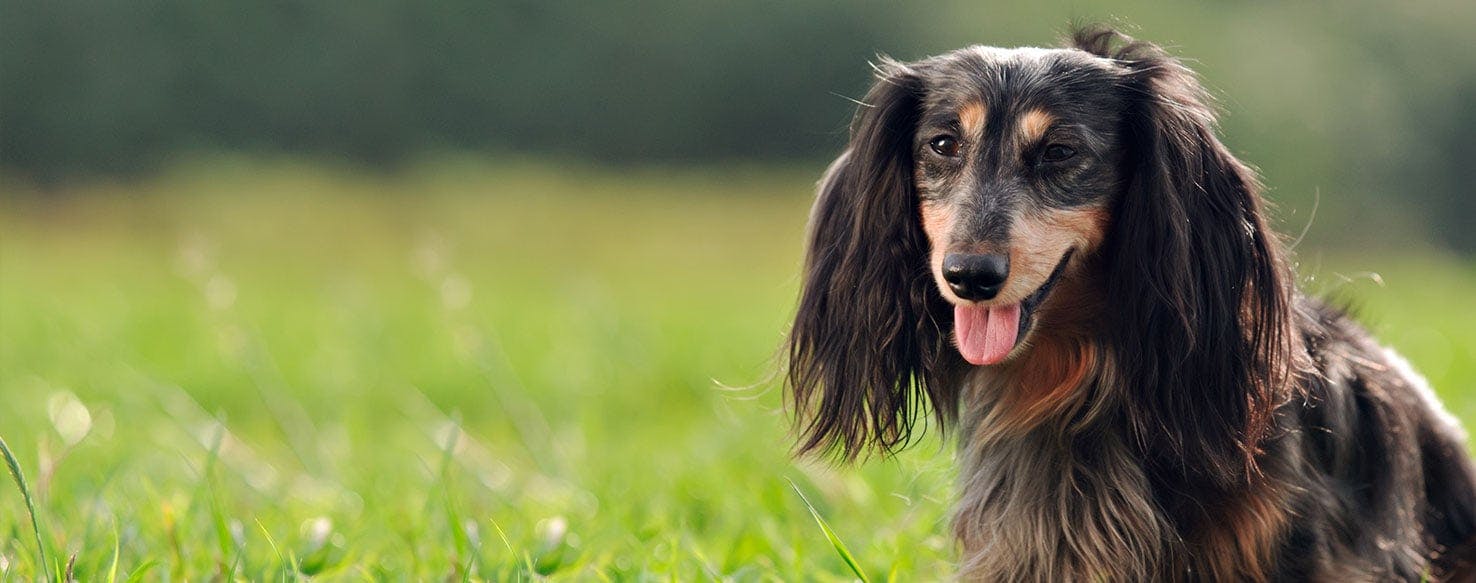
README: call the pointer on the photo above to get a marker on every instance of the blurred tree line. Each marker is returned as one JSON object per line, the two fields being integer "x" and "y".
{"x": 1367, "y": 104}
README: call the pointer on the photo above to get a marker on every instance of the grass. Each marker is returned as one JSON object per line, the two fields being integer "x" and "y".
{"x": 275, "y": 372}
{"x": 835, "y": 541}
{"x": 25, "y": 491}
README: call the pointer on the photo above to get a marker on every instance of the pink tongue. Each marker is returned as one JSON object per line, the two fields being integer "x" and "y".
{"x": 986, "y": 334}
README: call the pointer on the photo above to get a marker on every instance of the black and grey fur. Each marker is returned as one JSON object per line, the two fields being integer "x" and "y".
{"x": 1208, "y": 421}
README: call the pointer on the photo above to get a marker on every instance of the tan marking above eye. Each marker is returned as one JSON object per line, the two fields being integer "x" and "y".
{"x": 971, "y": 118}
{"x": 1033, "y": 125}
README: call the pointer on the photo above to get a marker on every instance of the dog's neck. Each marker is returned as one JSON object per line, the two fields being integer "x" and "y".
{"x": 1047, "y": 507}
{"x": 1052, "y": 485}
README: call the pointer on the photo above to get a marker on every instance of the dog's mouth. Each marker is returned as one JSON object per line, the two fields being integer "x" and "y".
{"x": 987, "y": 335}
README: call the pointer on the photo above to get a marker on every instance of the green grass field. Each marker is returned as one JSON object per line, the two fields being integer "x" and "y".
{"x": 264, "y": 372}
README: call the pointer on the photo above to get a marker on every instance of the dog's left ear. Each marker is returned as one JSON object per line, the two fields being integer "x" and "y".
{"x": 1199, "y": 292}
{"x": 864, "y": 348}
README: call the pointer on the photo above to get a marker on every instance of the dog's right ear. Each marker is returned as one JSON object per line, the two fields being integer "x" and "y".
{"x": 870, "y": 330}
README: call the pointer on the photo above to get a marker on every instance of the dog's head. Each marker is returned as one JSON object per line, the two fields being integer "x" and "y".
{"x": 1016, "y": 156}
{"x": 981, "y": 186}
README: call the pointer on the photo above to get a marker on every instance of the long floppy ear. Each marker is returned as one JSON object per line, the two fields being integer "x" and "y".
{"x": 1197, "y": 286}
{"x": 865, "y": 343}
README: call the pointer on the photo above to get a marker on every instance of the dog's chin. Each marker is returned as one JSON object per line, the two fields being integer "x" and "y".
{"x": 989, "y": 334}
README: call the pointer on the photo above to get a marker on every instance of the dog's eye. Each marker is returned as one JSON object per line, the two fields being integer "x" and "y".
{"x": 1057, "y": 153}
{"x": 944, "y": 145}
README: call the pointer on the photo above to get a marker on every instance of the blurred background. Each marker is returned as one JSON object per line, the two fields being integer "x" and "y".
{"x": 491, "y": 290}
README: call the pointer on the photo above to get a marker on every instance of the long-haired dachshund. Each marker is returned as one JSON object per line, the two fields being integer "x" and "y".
{"x": 1052, "y": 249}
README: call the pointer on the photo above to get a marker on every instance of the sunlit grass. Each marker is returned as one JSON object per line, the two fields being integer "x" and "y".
{"x": 19, "y": 475}
{"x": 468, "y": 373}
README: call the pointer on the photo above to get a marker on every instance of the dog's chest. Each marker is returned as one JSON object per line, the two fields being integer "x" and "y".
{"x": 1043, "y": 507}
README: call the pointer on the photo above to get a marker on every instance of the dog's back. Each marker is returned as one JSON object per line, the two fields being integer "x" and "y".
{"x": 1376, "y": 468}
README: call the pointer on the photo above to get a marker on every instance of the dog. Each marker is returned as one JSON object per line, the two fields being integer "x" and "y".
{"x": 1052, "y": 251}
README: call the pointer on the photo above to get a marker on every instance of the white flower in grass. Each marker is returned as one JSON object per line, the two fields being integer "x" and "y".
{"x": 238, "y": 532}
{"x": 69, "y": 416}
{"x": 551, "y": 532}
{"x": 318, "y": 530}
{"x": 473, "y": 534}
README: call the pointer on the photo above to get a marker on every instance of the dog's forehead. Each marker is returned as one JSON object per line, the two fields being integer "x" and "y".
{"x": 1019, "y": 55}
{"x": 991, "y": 74}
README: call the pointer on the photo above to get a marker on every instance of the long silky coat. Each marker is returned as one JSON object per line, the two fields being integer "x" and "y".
{"x": 1172, "y": 408}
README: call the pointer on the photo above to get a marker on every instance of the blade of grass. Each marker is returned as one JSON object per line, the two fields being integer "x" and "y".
{"x": 466, "y": 570}
{"x": 94, "y": 518}
{"x": 527, "y": 559}
{"x": 143, "y": 569}
{"x": 218, "y": 519}
{"x": 20, "y": 481}
{"x": 835, "y": 541}
{"x": 454, "y": 522}
{"x": 117, "y": 543}
{"x": 275, "y": 549}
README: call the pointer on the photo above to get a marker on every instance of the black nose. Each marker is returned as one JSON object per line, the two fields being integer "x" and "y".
{"x": 976, "y": 277}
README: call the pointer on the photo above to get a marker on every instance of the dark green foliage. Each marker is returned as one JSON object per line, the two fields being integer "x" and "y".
{"x": 117, "y": 86}
{"x": 1365, "y": 106}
